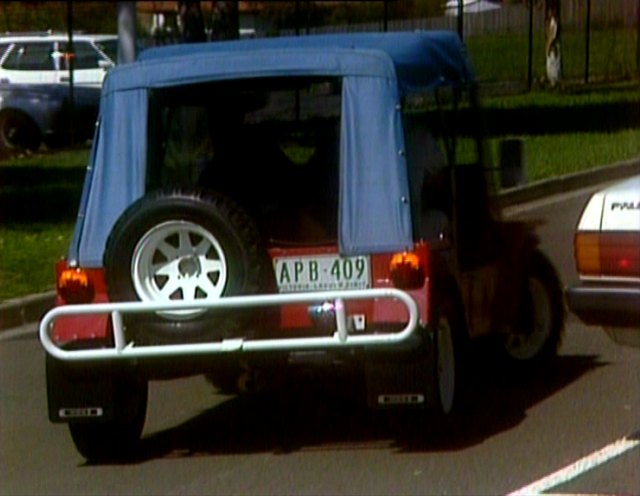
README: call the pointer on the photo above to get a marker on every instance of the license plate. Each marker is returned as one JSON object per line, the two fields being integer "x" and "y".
{"x": 322, "y": 273}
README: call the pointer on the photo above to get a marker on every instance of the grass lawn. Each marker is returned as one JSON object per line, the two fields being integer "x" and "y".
{"x": 611, "y": 55}
{"x": 621, "y": 93}
{"x": 555, "y": 155}
{"x": 38, "y": 201}
{"x": 28, "y": 253}
{"x": 63, "y": 159}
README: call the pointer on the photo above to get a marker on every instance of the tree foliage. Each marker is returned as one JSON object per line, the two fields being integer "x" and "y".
{"x": 285, "y": 14}
{"x": 191, "y": 22}
{"x": 90, "y": 17}
{"x": 225, "y": 20}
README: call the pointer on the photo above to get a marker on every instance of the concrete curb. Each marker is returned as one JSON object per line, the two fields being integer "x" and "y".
{"x": 21, "y": 311}
{"x": 569, "y": 182}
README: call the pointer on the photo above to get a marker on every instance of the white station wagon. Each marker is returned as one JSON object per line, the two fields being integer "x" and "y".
{"x": 43, "y": 58}
{"x": 607, "y": 254}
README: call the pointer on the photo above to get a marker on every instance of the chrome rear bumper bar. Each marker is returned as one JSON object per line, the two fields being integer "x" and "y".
{"x": 342, "y": 337}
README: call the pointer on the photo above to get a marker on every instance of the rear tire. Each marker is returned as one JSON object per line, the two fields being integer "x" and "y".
{"x": 117, "y": 438}
{"x": 536, "y": 335}
{"x": 450, "y": 345}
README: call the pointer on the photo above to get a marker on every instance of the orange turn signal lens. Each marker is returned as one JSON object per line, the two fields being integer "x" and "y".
{"x": 587, "y": 252}
{"x": 74, "y": 286}
{"x": 406, "y": 271}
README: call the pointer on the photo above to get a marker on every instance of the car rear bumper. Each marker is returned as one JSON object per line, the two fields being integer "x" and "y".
{"x": 617, "y": 307}
{"x": 343, "y": 336}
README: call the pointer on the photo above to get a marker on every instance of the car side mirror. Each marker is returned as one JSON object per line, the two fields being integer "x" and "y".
{"x": 512, "y": 166}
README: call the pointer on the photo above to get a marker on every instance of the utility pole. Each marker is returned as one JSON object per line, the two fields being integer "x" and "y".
{"x": 385, "y": 25}
{"x": 530, "y": 54}
{"x": 69, "y": 58}
{"x": 126, "y": 32}
{"x": 461, "y": 19}
{"x": 587, "y": 43}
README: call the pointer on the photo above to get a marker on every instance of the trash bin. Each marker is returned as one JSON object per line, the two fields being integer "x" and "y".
{"x": 513, "y": 171}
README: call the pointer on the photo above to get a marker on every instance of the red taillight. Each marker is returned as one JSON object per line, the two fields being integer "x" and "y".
{"x": 407, "y": 270}
{"x": 75, "y": 286}
{"x": 614, "y": 254}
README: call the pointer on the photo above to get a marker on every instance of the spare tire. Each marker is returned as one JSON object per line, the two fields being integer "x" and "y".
{"x": 186, "y": 245}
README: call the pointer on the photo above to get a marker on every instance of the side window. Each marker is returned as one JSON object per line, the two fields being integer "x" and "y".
{"x": 453, "y": 111}
{"x": 30, "y": 57}
{"x": 429, "y": 158}
{"x": 85, "y": 55}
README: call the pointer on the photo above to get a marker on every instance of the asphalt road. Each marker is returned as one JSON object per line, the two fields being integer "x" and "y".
{"x": 515, "y": 431}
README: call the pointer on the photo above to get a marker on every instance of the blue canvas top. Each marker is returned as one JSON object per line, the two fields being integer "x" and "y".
{"x": 376, "y": 69}
{"x": 420, "y": 58}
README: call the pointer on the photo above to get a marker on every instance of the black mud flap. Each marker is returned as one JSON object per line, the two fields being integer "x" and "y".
{"x": 79, "y": 392}
{"x": 400, "y": 379}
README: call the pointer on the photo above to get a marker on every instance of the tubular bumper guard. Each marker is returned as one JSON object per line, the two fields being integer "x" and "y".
{"x": 341, "y": 338}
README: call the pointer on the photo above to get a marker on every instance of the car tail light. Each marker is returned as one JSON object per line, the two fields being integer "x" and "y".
{"x": 615, "y": 254}
{"x": 75, "y": 286}
{"x": 407, "y": 270}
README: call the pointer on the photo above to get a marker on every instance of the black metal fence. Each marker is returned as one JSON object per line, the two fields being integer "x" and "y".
{"x": 599, "y": 40}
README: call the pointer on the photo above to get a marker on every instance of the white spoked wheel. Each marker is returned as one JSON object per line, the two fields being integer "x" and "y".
{"x": 179, "y": 261}
{"x": 445, "y": 365}
{"x": 189, "y": 247}
{"x": 527, "y": 343}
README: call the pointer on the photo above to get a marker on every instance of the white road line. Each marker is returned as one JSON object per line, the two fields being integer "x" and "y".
{"x": 578, "y": 468}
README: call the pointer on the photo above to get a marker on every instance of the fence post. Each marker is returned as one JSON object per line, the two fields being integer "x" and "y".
{"x": 530, "y": 61}
{"x": 70, "y": 62}
{"x": 638, "y": 39}
{"x": 587, "y": 43}
{"x": 386, "y": 16}
{"x": 461, "y": 19}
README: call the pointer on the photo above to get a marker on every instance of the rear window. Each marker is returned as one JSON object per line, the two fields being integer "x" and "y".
{"x": 271, "y": 144}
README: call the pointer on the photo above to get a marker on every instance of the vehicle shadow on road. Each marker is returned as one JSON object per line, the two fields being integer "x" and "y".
{"x": 319, "y": 415}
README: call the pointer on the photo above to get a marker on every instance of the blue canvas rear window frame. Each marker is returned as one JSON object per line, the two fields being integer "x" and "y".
{"x": 374, "y": 201}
